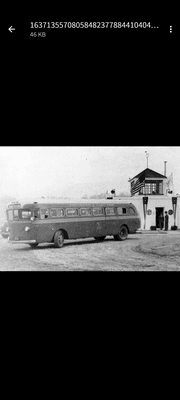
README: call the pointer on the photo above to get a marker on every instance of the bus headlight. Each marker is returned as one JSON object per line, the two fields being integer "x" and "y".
{"x": 27, "y": 228}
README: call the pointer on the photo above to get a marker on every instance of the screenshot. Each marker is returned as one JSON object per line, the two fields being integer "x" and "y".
{"x": 29, "y": 30}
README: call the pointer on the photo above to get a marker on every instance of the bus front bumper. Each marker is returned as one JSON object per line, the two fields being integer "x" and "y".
{"x": 22, "y": 241}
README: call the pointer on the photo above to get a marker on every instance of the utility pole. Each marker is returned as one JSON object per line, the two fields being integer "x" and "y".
{"x": 147, "y": 156}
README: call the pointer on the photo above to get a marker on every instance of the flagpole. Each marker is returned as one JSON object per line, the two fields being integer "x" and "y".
{"x": 147, "y": 156}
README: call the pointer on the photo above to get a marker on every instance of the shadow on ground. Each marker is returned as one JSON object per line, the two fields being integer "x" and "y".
{"x": 47, "y": 246}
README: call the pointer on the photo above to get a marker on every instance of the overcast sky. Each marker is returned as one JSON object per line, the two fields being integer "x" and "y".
{"x": 76, "y": 171}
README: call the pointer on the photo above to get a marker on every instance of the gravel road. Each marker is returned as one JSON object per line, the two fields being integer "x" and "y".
{"x": 139, "y": 252}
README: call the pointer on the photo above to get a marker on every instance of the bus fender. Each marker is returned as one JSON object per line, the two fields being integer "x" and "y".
{"x": 64, "y": 232}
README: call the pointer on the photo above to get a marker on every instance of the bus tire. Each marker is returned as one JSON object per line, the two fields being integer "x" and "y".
{"x": 33, "y": 245}
{"x": 100, "y": 238}
{"x": 122, "y": 234}
{"x": 59, "y": 239}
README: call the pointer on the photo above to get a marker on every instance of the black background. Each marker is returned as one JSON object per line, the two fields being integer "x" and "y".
{"x": 90, "y": 86}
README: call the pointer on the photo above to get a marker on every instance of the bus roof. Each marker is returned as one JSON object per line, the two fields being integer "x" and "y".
{"x": 75, "y": 202}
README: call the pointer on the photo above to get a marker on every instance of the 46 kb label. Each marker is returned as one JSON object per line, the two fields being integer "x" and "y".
{"x": 38, "y": 34}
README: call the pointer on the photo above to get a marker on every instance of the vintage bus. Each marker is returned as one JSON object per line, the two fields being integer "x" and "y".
{"x": 35, "y": 223}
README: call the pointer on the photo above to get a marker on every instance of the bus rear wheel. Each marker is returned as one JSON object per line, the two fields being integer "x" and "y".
{"x": 122, "y": 234}
{"x": 99, "y": 238}
{"x": 59, "y": 239}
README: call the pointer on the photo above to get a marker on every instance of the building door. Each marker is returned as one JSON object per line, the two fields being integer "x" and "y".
{"x": 159, "y": 212}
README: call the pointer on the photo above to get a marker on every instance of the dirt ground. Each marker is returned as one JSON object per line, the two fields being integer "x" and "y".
{"x": 140, "y": 252}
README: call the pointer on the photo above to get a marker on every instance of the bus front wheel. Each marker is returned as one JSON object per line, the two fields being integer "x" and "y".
{"x": 59, "y": 239}
{"x": 122, "y": 234}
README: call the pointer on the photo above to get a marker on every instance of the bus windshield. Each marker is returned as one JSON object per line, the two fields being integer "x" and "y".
{"x": 19, "y": 214}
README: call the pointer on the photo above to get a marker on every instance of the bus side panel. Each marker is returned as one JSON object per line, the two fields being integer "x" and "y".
{"x": 43, "y": 230}
{"x": 98, "y": 227}
{"x": 133, "y": 224}
{"x": 72, "y": 227}
{"x": 76, "y": 228}
{"x": 85, "y": 227}
{"x": 46, "y": 229}
{"x": 113, "y": 224}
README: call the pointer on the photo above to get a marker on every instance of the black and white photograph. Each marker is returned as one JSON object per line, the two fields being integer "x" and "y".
{"x": 89, "y": 208}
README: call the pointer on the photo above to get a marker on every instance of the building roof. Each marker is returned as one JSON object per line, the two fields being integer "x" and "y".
{"x": 148, "y": 173}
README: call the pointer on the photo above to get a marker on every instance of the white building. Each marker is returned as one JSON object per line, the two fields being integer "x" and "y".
{"x": 150, "y": 195}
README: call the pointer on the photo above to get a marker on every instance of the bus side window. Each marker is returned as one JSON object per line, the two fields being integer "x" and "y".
{"x": 53, "y": 212}
{"x": 85, "y": 212}
{"x": 71, "y": 212}
{"x": 60, "y": 212}
{"x": 44, "y": 213}
{"x": 110, "y": 211}
{"x": 121, "y": 210}
{"x": 98, "y": 211}
{"x": 132, "y": 211}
